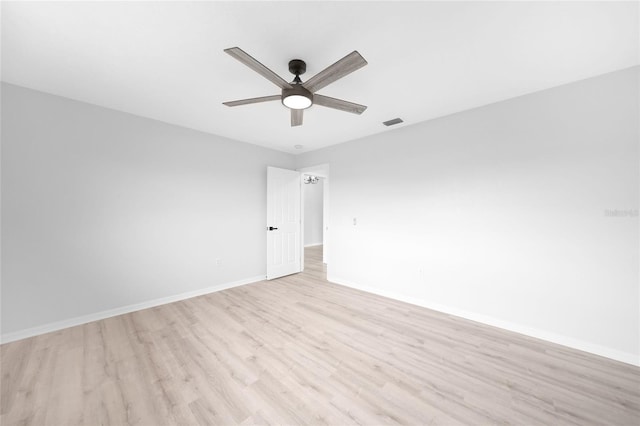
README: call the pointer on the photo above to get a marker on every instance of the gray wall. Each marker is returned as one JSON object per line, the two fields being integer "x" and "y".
{"x": 102, "y": 209}
{"x": 499, "y": 214}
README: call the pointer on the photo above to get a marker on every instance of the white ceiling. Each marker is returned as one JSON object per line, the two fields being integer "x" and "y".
{"x": 165, "y": 60}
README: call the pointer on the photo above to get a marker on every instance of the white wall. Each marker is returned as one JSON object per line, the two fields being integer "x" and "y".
{"x": 499, "y": 214}
{"x": 313, "y": 194}
{"x": 102, "y": 209}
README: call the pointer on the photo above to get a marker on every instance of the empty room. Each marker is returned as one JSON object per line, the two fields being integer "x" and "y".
{"x": 320, "y": 212}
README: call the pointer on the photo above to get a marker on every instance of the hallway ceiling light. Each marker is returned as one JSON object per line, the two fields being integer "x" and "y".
{"x": 311, "y": 179}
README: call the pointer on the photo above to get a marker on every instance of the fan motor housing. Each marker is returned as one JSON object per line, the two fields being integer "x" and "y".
{"x": 296, "y": 90}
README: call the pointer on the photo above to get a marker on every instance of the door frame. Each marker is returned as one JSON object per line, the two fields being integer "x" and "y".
{"x": 320, "y": 170}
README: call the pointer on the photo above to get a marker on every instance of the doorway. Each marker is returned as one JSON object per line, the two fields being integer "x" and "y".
{"x": 315, "y": 203}
{"x": 312, "y": 197}
{"x": 286, "y": 219}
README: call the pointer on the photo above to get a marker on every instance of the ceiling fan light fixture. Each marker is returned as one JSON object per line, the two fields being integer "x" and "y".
{"x": 297, "y": 98}
{"x": 298, "y": 95}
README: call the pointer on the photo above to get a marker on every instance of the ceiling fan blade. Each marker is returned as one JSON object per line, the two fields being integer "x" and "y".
{"x": 253, "y": 100}
{"x": 296, "y": 117}
{"x": 252, "y": 63}
{"x": 334, "y": 103}
{"x": 353, "y": 61}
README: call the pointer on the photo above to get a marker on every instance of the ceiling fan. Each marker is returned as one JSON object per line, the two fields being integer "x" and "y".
{"x": 298, "y": 95}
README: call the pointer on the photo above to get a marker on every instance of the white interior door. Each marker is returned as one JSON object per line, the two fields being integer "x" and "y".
{"x": 283, "y": 222}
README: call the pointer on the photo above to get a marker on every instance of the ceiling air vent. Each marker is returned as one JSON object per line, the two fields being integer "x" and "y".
{"x": 392, "y": 122}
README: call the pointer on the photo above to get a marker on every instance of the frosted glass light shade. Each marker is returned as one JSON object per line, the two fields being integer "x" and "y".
{"x": 296, "y": 102}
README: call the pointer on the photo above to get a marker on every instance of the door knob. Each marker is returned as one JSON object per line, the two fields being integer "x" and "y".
{"x": 271, "y": 228}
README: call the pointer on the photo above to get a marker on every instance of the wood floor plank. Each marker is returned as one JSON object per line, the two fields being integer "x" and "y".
{"x": 301, "y": 350}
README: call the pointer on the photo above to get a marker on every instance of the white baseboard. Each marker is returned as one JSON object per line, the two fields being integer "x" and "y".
{"x": 626, "y": 357}
{"x": 313, "y": 245}
{"x": 71, "y": 322}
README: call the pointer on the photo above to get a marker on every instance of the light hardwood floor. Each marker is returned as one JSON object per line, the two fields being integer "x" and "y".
{"x": 300, "y": 350}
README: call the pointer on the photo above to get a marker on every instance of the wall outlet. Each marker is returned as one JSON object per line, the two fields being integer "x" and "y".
{"x": 218, "y": 262}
